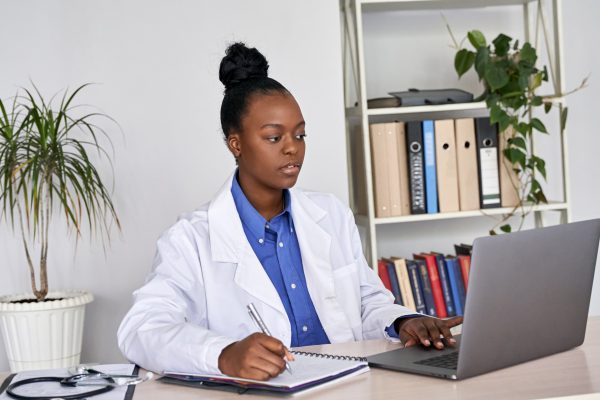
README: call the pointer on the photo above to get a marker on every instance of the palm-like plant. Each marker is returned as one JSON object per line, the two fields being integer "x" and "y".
{"x": 45, "y": 167}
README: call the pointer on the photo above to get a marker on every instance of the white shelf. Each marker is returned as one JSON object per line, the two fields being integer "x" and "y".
{"x": 551, "y": 206}
{"x": 408, "y": 5}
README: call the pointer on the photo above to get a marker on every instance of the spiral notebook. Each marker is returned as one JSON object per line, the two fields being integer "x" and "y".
{"x": 309, "y": 370}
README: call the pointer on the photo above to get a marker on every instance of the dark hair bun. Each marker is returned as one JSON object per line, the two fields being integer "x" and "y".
{"x": 241, "y": 63}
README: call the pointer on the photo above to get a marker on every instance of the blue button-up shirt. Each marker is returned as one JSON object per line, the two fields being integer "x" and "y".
{"x": 275, "y": 244}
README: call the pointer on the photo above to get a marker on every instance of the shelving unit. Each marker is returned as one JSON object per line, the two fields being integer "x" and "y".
{"x": 359, "y": 117}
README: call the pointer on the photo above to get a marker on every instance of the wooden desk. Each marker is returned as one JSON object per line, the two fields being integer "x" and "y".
{"x": 573, "y": 372}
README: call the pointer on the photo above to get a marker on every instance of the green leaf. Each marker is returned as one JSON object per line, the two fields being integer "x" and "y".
{"x": 482, "y": 59}
{"x": 506, "y": 228}
{"x": 535, "y": 81}
{"x": 463, "y": 61}
{"x": 516, "y": 45}
{"x": 495, "y": 76}
{"x": 538, "y": 125}
{"x": 492, "y": 232}
{"x": 536, "y": 101}
{"x": 497, "y": 114}
{"x": 518, "y": 142}
{"x": 528, "y": 55}
{"x": 515, "y": 156}
{"x": 523, "y": 128}
{"x": 547, "y": 107}
{"x": 540, "y": 165}
{"x": 502, "y": 44}
{"x": 563, "y": 118}
{"x": 477, "y": 39}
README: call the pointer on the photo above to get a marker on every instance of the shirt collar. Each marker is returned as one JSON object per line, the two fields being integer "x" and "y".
{"x": 250, "y": 217}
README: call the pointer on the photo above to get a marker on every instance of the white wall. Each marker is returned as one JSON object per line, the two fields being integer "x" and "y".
{"x": 156, "y": 62}
{"x": 157, "y": 65}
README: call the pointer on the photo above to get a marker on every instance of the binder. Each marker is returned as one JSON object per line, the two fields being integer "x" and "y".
{"x": 431, "y": 196}
{"x": 402, "y": 154}
{"x": 404, "y": 282}
{"x": 466, "y": 163}
{"x": 509, "y": 180}
{"x": 380, "y": 170}
{"x": 487, "y": 157}
{"x": 414, "y": 144}
{"x": 416, "y": 286}
{"x": 447, "y": 174}
{"x": 393, "y": 173}
{"x": 358, "y": 168}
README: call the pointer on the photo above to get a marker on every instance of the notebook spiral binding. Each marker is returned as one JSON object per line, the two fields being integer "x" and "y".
{"x": 330, "y": 356}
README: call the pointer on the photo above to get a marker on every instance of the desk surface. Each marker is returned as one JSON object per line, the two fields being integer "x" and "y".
{"x": 572, "y": 372}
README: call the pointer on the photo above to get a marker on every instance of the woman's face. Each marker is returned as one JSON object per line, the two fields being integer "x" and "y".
{"x": 270, "y": 148}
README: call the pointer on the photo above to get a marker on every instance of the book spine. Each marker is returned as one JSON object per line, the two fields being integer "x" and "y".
{"x": 465, "y": 267}
{"x": 416, "y": 286}
{"x": 454, "y": 280}
{"x": 394, "y": 282}
{"x": 436, "y": 287}
{"x": 383, "y": 274}
{"x": 445, "y": 283}
{"x": 427, "y": 293}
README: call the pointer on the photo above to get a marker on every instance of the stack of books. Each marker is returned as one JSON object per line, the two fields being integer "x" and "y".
{"x": 430, "y": 283}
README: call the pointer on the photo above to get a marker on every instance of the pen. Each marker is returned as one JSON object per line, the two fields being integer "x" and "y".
{"x": 261, "y": 325}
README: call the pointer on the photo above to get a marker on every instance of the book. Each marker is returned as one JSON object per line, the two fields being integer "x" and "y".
{"x": 431, "y": 196}
{"x": 447, "y": 173}
{"x": 456, "y": 284}
{"x": 426, "y": 286}
{"x": 465, "y": 266}
{"x": 393, "y": 280}
{"x": 416, "y": 286}
{"x": 383, "y": 274}
{"x": 445, "y": 284}
{"x": 309, "y": 370}
{"x": 404, "y": 282}
{"x": 414, "y": 144}
{"x": 466, "y": 163}
{"x": 434, "y": 280}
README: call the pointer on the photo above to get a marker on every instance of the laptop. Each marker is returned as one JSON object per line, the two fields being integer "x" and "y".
{"x": 528, "y": 297}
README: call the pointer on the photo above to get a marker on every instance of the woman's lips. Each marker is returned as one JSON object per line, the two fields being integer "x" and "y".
{"x": 291, "y": 169}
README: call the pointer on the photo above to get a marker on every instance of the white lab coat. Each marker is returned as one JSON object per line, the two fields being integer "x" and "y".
{"x": 205, "y": 273}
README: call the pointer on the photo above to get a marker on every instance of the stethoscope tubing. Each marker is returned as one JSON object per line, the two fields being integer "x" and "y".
{"x": 12, "y": 386}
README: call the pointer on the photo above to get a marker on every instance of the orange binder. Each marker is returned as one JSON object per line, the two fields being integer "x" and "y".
{"x": 509, "y": 181}
{"x": 447, "y": 173}
{"x": 466, "y": 162}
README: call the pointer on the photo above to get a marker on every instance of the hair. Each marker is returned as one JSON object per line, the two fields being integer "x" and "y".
{"x": 243, "y": 71}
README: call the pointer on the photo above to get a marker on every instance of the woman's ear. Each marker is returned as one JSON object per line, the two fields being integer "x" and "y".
{"x": 234, "y": 145}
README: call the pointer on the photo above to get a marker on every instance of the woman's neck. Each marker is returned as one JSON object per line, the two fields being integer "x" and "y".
{"x": 267, "y": 201}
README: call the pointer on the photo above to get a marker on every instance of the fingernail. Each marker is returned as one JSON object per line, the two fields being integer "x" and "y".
{"x": 452, "y": 340}
{"x": 427, "y": 343}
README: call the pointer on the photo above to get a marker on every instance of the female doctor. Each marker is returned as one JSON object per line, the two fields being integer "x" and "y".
{"x": 296, "y": 255}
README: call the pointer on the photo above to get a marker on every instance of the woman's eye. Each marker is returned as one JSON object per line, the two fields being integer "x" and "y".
{"x": 273, "y": 139}
{"x": 301, "y": 136}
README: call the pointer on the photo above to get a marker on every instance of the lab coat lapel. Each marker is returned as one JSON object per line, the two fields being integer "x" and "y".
{"x": 315, "y": 245}
{"x": 229, "y": 244}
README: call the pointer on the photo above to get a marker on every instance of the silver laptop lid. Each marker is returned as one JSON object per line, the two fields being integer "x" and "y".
{"x": 528, "y": 295}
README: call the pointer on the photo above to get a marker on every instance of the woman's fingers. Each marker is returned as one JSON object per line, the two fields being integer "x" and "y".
{"x": 428, "y": 331}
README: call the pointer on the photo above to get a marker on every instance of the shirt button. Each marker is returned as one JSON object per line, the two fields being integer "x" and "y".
{"x": 261, "y": 240}
{"x": 305, "y": 328}
{"x": 280, "y": 244}
{"x": 293, "y": 285}
{"x": 267, "y": 226}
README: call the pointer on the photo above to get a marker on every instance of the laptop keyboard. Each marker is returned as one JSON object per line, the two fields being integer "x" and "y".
{"x": 448, "y": 361}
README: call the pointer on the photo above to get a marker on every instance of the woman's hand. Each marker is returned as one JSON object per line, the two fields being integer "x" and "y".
{"x": 427, "y": 331}
{"x": 258, "y": 356}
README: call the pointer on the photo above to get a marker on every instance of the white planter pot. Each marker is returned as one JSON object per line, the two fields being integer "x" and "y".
{"x": 45, "y": 334}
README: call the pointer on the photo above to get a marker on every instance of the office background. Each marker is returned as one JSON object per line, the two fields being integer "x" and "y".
{"x": 156, "y": 66}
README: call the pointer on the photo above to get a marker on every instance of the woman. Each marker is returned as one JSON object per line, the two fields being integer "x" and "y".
{"x": 295, "y": 255}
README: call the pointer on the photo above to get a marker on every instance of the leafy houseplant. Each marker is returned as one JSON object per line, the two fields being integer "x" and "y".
{"x": 510, "y": 78}
{"x": 45, "y": 169}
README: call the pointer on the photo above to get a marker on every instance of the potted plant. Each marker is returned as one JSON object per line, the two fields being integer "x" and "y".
{"x": 511, "y": 79}
{"x": 46, "y": 171}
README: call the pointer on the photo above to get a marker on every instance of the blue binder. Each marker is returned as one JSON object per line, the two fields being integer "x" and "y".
{"x": 456, "y": 284}
{"x": 431, "y": 195}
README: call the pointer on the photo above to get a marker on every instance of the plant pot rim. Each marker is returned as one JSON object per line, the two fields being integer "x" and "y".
{"x": 70, "y": 298}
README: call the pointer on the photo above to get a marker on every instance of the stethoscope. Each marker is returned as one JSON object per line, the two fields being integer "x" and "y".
{"x": 83, "y": 377}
